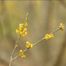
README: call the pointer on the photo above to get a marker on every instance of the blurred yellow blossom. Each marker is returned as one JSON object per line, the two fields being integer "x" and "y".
{"x": 48, "y": 36}
{"x": 21, "y": 54}
{"x": 61, "y": 26}
{"x": 22, "y": 29}
{"x": 28, "y": 45}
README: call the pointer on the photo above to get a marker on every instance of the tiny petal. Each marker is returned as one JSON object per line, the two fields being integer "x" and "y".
{"x": 25, "y": 29}
{"x": 21, "y": 25}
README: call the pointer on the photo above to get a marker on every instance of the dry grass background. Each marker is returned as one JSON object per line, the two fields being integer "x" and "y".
{"x": 44, "y": 16}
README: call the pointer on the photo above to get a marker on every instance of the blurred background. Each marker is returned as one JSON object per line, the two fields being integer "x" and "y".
{"x": 44, "y": 17}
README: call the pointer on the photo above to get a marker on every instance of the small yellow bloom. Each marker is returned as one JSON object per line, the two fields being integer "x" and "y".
{"x": 21, "y": 54}
{"x": 28, "y": 45}
{"x": 48, "y": 36}
{"x": 61, "y": 26}
{"x": 22, "y": 29}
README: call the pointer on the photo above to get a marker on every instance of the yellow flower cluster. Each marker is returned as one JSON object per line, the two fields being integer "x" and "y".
{"x": 22, "y": 29}
{"x": 21, "y": 54}
{"x": 28, "y": 45}
{"x": 61, "y": 26}
{"x": 48, "y": 36}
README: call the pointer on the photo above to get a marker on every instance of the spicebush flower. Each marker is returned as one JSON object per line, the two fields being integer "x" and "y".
{"x": 28, "y": 45}
{"x": 21, "y": 54}
{"x": 22, "y": 29}
{"x": 48, "y": 36}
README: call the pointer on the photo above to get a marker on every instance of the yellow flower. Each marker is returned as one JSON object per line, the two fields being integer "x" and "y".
{"x": 61, "y": 26}
{"x": 28, "y": 45}
{"x": 48, "y": 36}
{"x": 21, "y": 54}
{"x": 22, "y": 29}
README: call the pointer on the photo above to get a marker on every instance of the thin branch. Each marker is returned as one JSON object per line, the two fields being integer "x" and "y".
{"x": 12, "y": 55}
